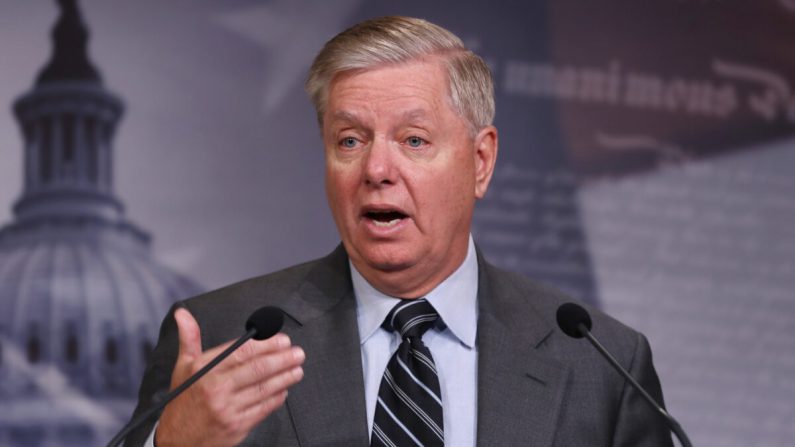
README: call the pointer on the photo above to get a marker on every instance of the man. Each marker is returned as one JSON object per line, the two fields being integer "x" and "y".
{"x": 405, "y": 112}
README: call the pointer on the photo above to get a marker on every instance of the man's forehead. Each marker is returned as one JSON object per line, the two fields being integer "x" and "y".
{"x": 389, "y": 78}
{"x": 414, "y": 91}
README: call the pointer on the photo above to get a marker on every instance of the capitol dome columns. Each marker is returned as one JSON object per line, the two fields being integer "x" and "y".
{"x": 67, "y": 143}
{"x": 68, "y": 120}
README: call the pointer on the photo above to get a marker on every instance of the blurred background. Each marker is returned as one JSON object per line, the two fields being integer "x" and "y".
{"x": 151, "y": 150}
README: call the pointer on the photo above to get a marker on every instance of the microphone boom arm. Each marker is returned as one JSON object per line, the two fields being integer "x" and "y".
{"x": 178, "y": 390}
{"x": 675, "y": 427}
{"x": 263, "y": 323}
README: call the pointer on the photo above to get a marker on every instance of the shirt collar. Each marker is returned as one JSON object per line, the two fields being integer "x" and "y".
{"x": 455, "y": 299}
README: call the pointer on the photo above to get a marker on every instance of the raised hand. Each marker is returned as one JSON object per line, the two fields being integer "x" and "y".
{"x": 224, "y": 406}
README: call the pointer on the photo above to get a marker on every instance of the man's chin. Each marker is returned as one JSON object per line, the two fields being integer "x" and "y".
{"x": 391, "y": 277}
{"x": 388, "y": 265}
{"x": 386, "y": 256}
{"x": 387, "y": 262}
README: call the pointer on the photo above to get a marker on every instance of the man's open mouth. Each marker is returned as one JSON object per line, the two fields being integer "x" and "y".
{"x": 385, "y": 218}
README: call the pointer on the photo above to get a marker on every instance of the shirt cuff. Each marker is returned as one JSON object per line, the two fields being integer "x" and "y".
{"x": 150, "y": 441}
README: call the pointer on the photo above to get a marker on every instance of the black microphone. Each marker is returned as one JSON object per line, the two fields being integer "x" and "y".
{"x": 575, "y": 322}
{"x": 264, "y": 323}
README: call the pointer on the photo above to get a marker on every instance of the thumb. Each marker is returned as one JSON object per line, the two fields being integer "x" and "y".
{"x": 190, "y": 341}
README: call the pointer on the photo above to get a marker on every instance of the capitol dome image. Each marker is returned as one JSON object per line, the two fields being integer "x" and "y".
{"x": 81, "y": 295}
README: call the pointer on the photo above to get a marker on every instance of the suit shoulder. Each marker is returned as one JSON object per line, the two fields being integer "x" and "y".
{"x": 272, "y": 289}
{"x": 545, "y": 300}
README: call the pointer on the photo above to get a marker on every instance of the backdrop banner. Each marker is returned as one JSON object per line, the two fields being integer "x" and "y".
{"x": 151, "y": 150}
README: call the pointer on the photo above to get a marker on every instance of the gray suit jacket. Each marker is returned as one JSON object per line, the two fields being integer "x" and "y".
{"x": 536, "y": 386}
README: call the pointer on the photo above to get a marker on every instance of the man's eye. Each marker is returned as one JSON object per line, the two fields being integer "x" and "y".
{"x": 415, "y": 141}
{"x": 348, "y": 142}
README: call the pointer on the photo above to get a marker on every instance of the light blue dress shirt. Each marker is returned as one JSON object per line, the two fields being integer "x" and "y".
{"x": 453, "y": 347}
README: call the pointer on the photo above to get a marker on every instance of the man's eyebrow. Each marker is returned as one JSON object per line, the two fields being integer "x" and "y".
{"x": 345, "y": 116}
{"x": 348, "y": 117}
{"x": 415, "y": 114}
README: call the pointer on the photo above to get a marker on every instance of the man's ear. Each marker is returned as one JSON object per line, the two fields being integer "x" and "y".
{"x": 485, "y": 158}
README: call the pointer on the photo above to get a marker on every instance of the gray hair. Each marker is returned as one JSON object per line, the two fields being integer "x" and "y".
{"x": 395, "y": 39}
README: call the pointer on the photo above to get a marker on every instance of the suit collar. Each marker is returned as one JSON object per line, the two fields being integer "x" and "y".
{"x": 455, "y": 300}
{"x": 519, "y": 389}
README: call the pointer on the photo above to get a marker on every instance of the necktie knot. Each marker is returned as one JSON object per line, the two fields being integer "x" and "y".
{"x": 411, "y": 318}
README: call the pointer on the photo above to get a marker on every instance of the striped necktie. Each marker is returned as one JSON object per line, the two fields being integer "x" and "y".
{"x": 409, "y": 407}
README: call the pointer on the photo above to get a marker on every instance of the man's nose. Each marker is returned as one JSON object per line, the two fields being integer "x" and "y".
{"x": 379, "y": 166}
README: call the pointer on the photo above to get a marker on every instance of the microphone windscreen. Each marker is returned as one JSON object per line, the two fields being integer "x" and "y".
{"x": 570, "y": 316}
{"x": 266, "y": 320}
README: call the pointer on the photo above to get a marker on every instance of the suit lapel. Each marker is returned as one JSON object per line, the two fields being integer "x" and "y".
{"x": 519, "y": 390}
{"x": 328, "y": 407}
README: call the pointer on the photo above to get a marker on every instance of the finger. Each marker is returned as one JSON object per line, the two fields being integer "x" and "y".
{"x": 190, "y": 342}
{"x": 254, "y": 414}
{"x": 269, "y": 388}
{"x": 242, "y": 356}
{"x": 261, "y": 368}
{"x": 266, "y": 387}
{"x": 251, "y": 349}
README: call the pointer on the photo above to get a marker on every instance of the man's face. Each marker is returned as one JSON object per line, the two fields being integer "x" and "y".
{"x": 402, "y": 174}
